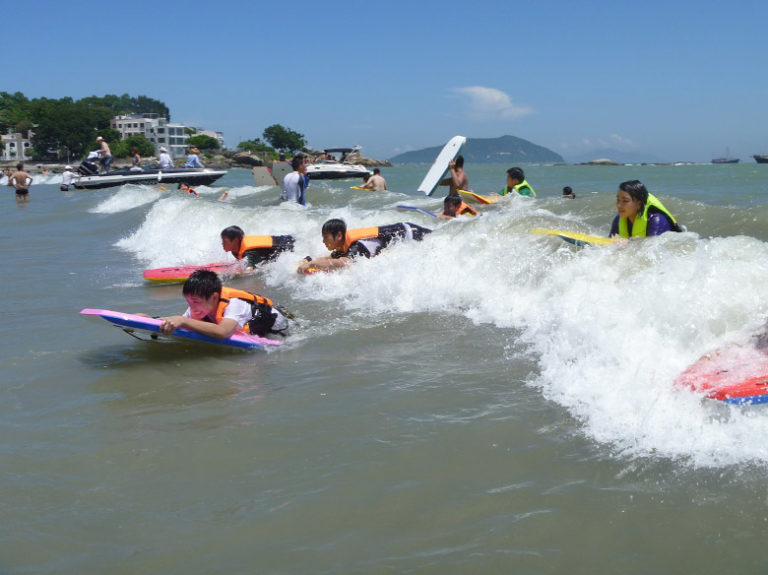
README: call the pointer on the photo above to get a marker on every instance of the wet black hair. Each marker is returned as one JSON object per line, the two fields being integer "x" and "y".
{"x": 232, "y": 233}
{"x": 636, "y": 190}
{"x": 459, "y": 161}
{"x": 203, "y": 283}
{"x": 452, "y": 201}
{"x": 296, "y": 161}
{"x": 567, "y": 191}
{"x": 516, "y": 174}
{"x": 334, "y": 227}
{"x": 376, "y": 171}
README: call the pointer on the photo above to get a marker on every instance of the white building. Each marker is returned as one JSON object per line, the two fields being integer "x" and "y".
{"x": 219, "y": 136}
{"x": 15, "y": 146}
{"x": 154, "y": 128}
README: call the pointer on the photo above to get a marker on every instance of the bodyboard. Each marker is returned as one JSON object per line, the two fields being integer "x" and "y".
{"x": 280, "y": 170}
{"x": 576, "y": 238}
{"x": 733, "y": 374}
{"x": 149, "y": 327}
{"x": 416, "y": 209}
{"x": 440, "y": 166}
{"x": 181, "y": 273}
{"x": 480, "y": 198}
{"x": 263, "y": 176}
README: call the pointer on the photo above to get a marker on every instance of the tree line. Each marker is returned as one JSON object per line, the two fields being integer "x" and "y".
{"x": 71, "y": 126}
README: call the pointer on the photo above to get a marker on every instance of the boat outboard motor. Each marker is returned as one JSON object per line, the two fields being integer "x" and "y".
{"x": 87, "y": 168}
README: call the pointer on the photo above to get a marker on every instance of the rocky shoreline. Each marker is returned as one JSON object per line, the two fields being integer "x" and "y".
{"x": 223, "y": 160}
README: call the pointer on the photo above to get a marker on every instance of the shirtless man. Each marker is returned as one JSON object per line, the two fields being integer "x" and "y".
{"x": 376, "y": 182}
{"x": 458, "y": 180}
{"x": 105, "y": 154}
{"x": 20, "y": 180}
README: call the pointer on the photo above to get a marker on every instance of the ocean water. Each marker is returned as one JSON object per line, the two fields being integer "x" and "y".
{"x": 486, "y": 399}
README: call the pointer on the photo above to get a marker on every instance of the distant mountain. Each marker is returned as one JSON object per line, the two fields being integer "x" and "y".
{"x": 619, "y": 156}
{"x": 506, "y": 150}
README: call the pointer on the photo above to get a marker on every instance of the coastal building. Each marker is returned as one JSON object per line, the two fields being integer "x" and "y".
{"x": 219, "y": 136}
{"x": 15, "y": 146}
{"x": 154, "y": 128}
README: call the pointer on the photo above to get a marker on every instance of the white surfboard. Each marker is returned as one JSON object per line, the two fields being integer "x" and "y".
{"x": 440, "y": 166}
{"x": 280, "y": 170}
{"x": 262, "y": 176}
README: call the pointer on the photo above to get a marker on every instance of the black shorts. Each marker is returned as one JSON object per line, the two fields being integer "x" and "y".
{"x": 21, "y": 192}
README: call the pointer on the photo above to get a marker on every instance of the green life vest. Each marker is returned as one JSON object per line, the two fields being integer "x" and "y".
{"x": 523, "y": 188}
{"x": 640, "y": 225}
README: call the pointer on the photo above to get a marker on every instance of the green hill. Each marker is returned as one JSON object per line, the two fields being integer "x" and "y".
{"x": 503, "y": 150}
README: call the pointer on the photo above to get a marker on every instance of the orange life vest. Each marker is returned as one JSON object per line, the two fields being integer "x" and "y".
{"x": 230, "y": 293}
{"x": 359, "y": 234}
{"x": 253, "y": 243}
{"x": 465, "y": 209}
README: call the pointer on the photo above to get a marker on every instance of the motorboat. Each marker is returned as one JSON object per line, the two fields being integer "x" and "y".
{"x": 91, "y": 179}
{"x": 761, "y": 158}
{"x": 330, "y": 169}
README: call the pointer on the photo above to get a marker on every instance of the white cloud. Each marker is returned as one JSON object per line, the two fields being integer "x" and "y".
{"x": 490, "y": 103}
{"x": 616, "y": 139}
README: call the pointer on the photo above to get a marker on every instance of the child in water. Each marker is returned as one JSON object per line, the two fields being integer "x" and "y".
{"x": 218, "y": 311}
{"x": 185, "y": 188}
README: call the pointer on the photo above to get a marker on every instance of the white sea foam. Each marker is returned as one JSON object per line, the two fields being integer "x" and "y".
{"x": 610, "y": 328}
{"x": 127, "y": 198}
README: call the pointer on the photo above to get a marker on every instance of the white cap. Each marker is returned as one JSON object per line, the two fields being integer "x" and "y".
{"x": 99, "y": 138}
{"x": 67, "y": 167}
{"x": 163, "y": 150}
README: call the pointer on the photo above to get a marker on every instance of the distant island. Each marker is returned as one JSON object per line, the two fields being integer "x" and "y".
{"x": 503, "y": 150}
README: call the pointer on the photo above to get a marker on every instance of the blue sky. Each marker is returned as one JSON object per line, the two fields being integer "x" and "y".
{"x": 676, "y": 80}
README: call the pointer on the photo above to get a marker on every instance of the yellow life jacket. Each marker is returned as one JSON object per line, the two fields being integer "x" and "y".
{"x": 523, "y": 188}
{"x": 640, "y": 225}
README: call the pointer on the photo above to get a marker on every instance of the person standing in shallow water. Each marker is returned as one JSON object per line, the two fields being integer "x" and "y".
{"x": 21, "y": 181}
{"x": 459, "y": 179}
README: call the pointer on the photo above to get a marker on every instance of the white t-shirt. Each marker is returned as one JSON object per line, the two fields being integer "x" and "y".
{"x": 164, "y": 161}
{"x": 67, "y": 177}
{"x": 292, "y": 191}
{"x": 237, "y": 309}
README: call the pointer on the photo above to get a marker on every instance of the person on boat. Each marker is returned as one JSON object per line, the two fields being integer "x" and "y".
{"x": 164, "y": 160}
{"x": 376, "y": 182}
{"x": 640, "y": 214}
{"x": 454, "y": 206}
{"x": 21, "y": 181}
{"x": 346, "y": 245}
{"x": 458, "y": 180}
{"x": 295, "y": 183}
{"x": 218, "y": 311}
{"x": 193, "y": 160}
{"x": 135, "y": 159}
{"x": 516, "y": 182}
{"x": 254, "y": 249}
{"x": 105, "y": 154}
{"x": 185, "y": 188}
{"x": 67, "y": 178}
{"x": 568, "y": 193}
